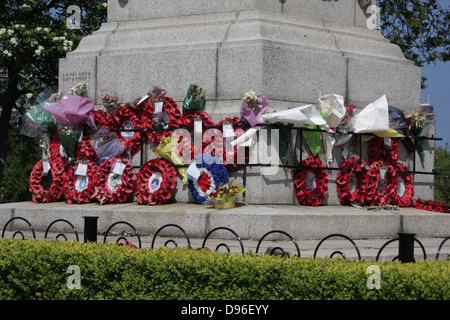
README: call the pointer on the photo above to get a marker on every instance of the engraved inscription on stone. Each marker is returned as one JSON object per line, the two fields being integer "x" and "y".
{"x": 79, "y": 76}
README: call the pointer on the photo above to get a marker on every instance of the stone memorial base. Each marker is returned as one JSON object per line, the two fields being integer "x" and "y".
{"x": 290, "y": 51}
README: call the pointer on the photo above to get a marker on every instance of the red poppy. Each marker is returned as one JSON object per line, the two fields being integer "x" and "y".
{"x": 377, "y": 151}
{"x": 156, "y": 182}
{"x": 379, "y": 190}
{"x": 311, "y": 183}
{"x": 80, "y": 188}
{"x": 47, "y": 187}
{"x": 113, "y": 187}
{"x": 405, "y": 187}
{"x": 350, "y": 181}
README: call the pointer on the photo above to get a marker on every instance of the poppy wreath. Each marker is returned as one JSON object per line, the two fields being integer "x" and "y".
{"x": 349, "y": 181}
{"x": 430, "y": 205}
{"x": 80, "y": 189}
{"x": 50, "y": 187}
{"x": 85, "y": 150}
{"x": 212, "y": 174}
{"x": 126, "y": 119}
{"x": 377, "y": 152}
{"x": 104, "y": 119}
{"x": 239, "y": 159}
{"x": 379, "y": 191}
{"x": 405, "y": 198}
{"x": 174, "y": 117}
{"x": 111, "y": 187}
{"x": 56, "y": 148}
{"x": 311, "y": 183}
{"x": 155, "y": 182}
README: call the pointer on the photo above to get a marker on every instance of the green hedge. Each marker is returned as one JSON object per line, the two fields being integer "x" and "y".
{"x": 36, "y": 269}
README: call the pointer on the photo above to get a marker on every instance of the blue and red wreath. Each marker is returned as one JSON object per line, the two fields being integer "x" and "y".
{"x": 212, "y": 174}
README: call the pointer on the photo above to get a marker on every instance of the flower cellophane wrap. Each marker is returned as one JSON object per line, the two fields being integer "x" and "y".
{"x": 106, "y": 145}
{"x": 195, "y": 99}
{"x": 166, "y": 150}
{"x": 227, "y": 194}
{"x": 37, "y": 121}
{"x": 253, "y": 107}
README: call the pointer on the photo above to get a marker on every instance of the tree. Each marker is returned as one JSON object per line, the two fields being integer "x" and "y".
{"x": 420, "y": 27}
{"x": 441, "y": 181}
{"x": 33, "y": 36}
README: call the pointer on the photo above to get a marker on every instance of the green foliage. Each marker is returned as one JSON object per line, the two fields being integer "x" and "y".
{"x": 419, "y": 27}
{"x": 34, "y": 269}
{"x": 442, "y": 181}
{"x": 23, "y": 153}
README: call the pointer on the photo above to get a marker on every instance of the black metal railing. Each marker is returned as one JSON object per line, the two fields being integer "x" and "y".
{"x": 406, "y": 241}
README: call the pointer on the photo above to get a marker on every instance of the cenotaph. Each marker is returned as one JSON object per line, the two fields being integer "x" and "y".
{"x": 290, "y": 50}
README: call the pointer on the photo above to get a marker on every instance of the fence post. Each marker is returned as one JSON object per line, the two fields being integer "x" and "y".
{"x": 90, "y": 229}
{"x": 406, "y": 247}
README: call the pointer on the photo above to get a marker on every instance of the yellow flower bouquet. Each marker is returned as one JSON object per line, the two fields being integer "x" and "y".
{"x": 225, "y": 195}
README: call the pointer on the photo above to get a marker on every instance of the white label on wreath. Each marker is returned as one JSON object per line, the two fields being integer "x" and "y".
{"x": 198, "y": 127}
{"x": 45, "y": 167}
{"x": 401, "y": 186}
{"x": 158, "y": 106}
{"x": 228, "y": 131}
{"x": 381, "y": 187}
{"x": 311, "y": 181}
{"x": 114, "y": 181}
{"x": 353, "y": 183}
{"x": 154, "y": 183}
{"x": 81, "y": 183}
{"x": 118, "y": 168}
{"x": 193, "y": 171}
{"x": 62, "y": 152}
{"x": 81, "y": 169}
{"x": 127, "y": 125}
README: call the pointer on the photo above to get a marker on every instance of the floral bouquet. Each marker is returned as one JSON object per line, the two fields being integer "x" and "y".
{"x": 110, "y": 102}
{"x": 81, "y": 89}
{"x": 418, "y": 126}
{"x": 226, "y": 195}
{"x": 107, "y": 145}
{"x": 166, "y": 150}
{"x": 157, "y": 90}
{"x": 254, "y": 104}
{"x": 195, "y": 99}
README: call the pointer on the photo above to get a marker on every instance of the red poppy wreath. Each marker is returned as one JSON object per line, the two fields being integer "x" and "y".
{"x": 311, "y": 183}
{"x": 163, "y": 114}
{"x": 239, "y": 155}
{"x": 156, "y": 181}
{"x": 80, "y": 182}
{"x": 349, "y": 181}
{"x": 430, "y": 205}
{"x": 380, "y": 188}
{"x": 116, "y": 181}
{"x": 47, "y": 187}
{"x": 128, "y": 120}
{"x": 405, "y": 187}
{"x": 377, "y": 151}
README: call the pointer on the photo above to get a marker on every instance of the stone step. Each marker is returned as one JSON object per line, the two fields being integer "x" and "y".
{"x": 249, "y": 222}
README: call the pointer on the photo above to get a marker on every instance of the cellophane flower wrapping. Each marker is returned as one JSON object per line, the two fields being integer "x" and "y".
{"x": 36, "y": 121}
{"x": 106, "y": 145}
{"x": 254, "y": 104}
{"x": 166, "y": 149}
{"x": 195, "y": 99}
{"x": 227, "y": 193}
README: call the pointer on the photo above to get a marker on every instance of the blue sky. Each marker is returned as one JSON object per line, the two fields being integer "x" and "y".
{"x": 439, "y": 93}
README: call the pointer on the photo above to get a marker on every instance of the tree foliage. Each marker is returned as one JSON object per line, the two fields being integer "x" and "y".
{"x": 442, "y": 181}
{"x": 420, "y": 27}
